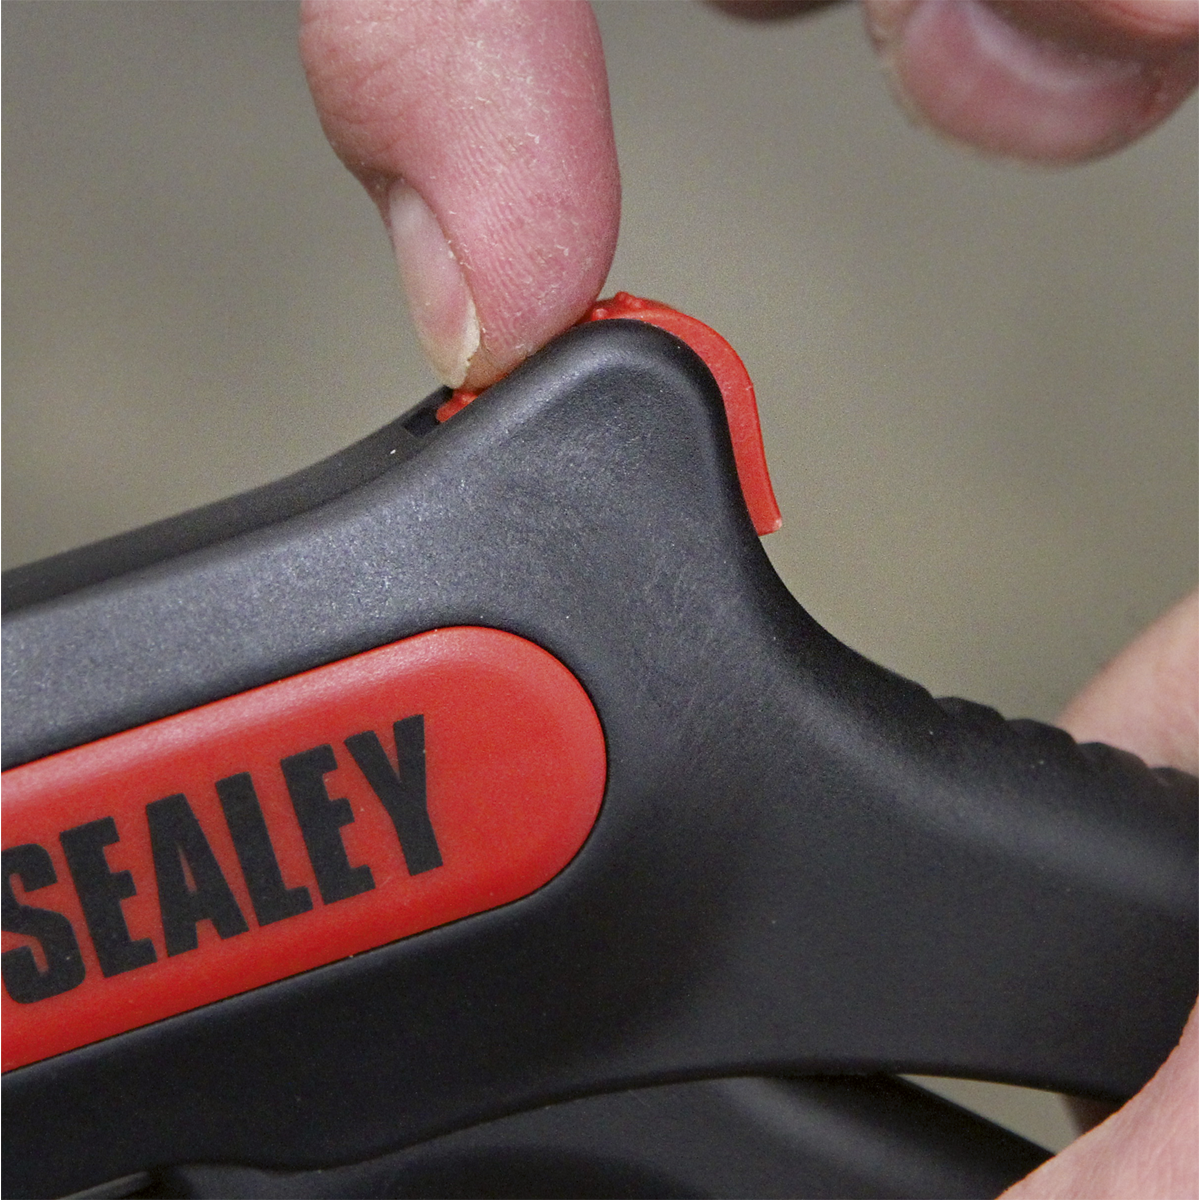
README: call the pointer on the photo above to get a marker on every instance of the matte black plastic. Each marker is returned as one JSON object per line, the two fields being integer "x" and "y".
{"x": 306, "y": 489}
{"x": 804, "y": 863}
{"x": 840, "y": 1138}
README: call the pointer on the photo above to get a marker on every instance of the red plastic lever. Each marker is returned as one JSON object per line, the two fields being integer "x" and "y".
{"x": 741, "y": 409}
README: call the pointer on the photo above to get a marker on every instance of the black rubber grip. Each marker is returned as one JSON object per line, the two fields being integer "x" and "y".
{"x": 803, "y": 863}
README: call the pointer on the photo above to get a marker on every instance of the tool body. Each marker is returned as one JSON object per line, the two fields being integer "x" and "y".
{"x": 798, "y": 864}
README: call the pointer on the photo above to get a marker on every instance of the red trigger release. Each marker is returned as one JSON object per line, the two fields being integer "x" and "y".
{"x": 741, "y": 410}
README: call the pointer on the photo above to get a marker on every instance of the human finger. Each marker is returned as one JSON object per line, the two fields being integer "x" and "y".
{"x": 1143, "y": 701}
{"x": 1044, "y": 82}
{"x": 1145, "y": 1149}
{"x": 482, "y": 132}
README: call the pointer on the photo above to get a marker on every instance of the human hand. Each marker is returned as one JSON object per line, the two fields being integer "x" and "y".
{"x": 482, "y": 131}
{"x": 1143, "y": 701}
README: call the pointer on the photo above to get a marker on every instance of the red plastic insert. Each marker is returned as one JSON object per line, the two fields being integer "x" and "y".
{"x": 278, "y": 830}
{"x": 741, "y": 409}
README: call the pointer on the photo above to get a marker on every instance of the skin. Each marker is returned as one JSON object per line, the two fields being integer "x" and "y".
{"x": 481, "y": 130}
{"x": 1143, "y": 701}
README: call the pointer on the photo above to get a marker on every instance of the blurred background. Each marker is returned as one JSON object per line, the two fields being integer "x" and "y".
{"x": 977, "y": 382}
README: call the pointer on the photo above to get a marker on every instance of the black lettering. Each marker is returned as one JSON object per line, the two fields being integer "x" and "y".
{"x": 272, "y": 900}
{"x": 401, "y": 792}
{"x": 320, "y": 819}
{"x": 100, "y": 893}
{"x": 24, "y": 981}
{"x": 175, "y": 838}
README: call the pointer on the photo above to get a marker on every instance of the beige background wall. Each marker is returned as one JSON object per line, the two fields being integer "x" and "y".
{"x": 977, "y": 382}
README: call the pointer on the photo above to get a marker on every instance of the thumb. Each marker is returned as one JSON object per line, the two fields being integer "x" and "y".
{"x": 482, "y": 132}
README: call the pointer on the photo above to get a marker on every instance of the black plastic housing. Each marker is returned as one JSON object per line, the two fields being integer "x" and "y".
{"x": 803, "y": 864}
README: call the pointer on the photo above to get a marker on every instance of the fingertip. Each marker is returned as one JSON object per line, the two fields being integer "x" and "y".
{"x": 1044, "y": 83}
{"x": 483, "y": 133}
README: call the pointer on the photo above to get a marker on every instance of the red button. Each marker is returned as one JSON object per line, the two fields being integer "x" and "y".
{"x": 275, "y": 831}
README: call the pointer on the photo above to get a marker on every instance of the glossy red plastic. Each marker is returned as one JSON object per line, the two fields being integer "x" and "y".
{"x": 514, "y": 774}
{"x": 741, "y": 408}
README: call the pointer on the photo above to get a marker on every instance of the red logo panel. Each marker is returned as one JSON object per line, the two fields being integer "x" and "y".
{"x": 227, "y": 847}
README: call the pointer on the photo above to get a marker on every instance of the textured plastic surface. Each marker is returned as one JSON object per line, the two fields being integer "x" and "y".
{"x": 302, "y": 491}
{"x": 803, "y": 863}
{"x": 288, "y": 827}
{"x": 737, "y": 394}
